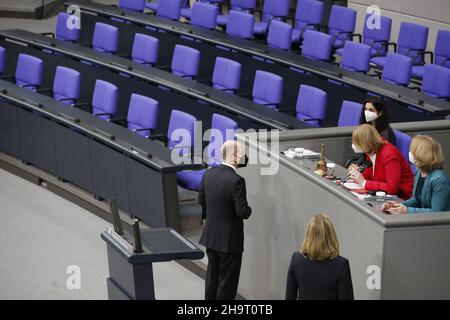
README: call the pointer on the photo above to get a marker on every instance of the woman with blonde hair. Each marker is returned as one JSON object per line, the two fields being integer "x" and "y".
{"x": 318, "y": 272}
{"x": 389, "y": 170}
{"x": 431, "y": 184}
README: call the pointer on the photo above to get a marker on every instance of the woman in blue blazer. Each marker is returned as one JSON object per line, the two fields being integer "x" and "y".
{"x": 431, "y": 185}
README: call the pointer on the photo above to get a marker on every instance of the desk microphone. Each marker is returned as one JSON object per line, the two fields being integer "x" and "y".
{"x": 366, "y": 164}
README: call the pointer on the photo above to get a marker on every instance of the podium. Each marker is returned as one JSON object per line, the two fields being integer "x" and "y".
{"x": 131, "y": 273}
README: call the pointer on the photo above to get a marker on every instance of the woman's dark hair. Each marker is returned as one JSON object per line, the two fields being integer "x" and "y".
{"x": 383, "y": 121}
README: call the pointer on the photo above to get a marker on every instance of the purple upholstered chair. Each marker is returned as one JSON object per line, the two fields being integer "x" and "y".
{"x": 142, "y": 115}
{"x": 316, "y": 45}
{"x": 66, "y": 86}
{"x": 226, "y": 75}
{"x": 180, "y": 133}
{"x": 436, "y": 81}
{"x": 145, "y": 49}
{"x": 272, "y": 9}
{"x": 341, "y": 25}
{"x": 280, "y": 35}
{"x": 397, "y": 69}
{"x": 311, "y": 105}
{"x": 185, "y": 62}
{"x": 441, "y": 54}
{"x": 240, "y": 24}
{"x": 237, "y": 5}
{"x": 267, "y": 89}
{"x": 104, "y": 100}
{"x": 133, "y": 5}
{"x": 204, "y": 15}
{"x": 356, "y": 57}
{"x": 106, "y": 38}
{"x": 169, "y": 9}
{"x": 308, "y": 16}
{"x": 350, "y": 114}
{"x": 29, "y": 71}
{"x": 62, "y": 32}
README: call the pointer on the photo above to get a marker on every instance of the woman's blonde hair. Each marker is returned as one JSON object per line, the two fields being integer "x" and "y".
{"x": 367, "y": 138}
{"x": 320, "y": 239}
{"x": 427, "y": 153}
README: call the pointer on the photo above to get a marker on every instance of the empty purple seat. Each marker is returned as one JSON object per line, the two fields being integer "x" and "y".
{"x": 412, "y": 42}
{"x": 180, "y": 133}
{"x": 311, "y": 105}
{"x": 204, "y": 15}
{"x": 104, "y": 100}
{"x": 106, "y": 38}
{"x": 237, "y": 5}
{"x": 316, "y": 45}
{"x": 66, "y": 86}
{"x": 397, "y": 69}
{"x": 29, "y": 71}
{"x": 377, "y": 38}
{"x": 356, "y": 57}
{"x": 169, "y": 9}
{"x": 222, "y": 129}
{"x": 240, "y": 24}
{"x": 441, "y": 53}
{"x": 226, "y": 75}
{"x": 436, "y": 81}
{"x": 350, "y": 114}
{"x": 308, "y": 16}
{"x": 280, "y": 35}
{"x": 267, "y": 89}
{"x": 145, "y": 49}
{"x": 272, "y": 9}
{"x": 134, "y": 5}
{"x": 63, "y": 32}
{"x": 341, "y": 25}
{"x": 2, "y": 60}
{"x": 142, "y": 115}
{"x": 185, "y": 62}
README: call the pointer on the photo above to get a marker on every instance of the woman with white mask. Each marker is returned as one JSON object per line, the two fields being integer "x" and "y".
{"x": 376, "y": 114}
{"x": 431, "y": 185}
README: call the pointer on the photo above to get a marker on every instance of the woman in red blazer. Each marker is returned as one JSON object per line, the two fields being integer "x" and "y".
{"x": 390, "y": 172}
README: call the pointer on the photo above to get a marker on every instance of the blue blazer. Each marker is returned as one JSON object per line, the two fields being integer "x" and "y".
{"x": 435, "y": 193}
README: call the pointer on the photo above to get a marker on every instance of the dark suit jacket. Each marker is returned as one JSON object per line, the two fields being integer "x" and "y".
{"x": 319, "y": 280}
{"x": 223, "y": 198}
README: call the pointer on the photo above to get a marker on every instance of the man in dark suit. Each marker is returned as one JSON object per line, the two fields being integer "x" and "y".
{"x": 223, "y": 198}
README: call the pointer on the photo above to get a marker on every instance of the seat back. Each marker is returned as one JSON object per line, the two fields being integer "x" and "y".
{"x": 412, "y": 39}
{"x": 2, "y": 60}
{"x": 62, "y": 32}
{"x": 442, "y": 49}
{"x": 29, "y": 71}
{"x": 240, "y": 24}
{"x": 66, "y": 84}
{"x": 104, "y": 99}
{"x": 275, "y": 9}
{"x": 311, "y": 104}
{"x": 342, "y": 19}
{"x": 402, "y": 142}
{"x": 280, "y": 35}
{"x": 142, "y": 114}
{"x": 436, "y": 81}
{"x": 134, "y": 5}
{"x": 145, "y": 49}
{"x": 226, "y": 75}
{"x": 267, "y": 89}
{"x": 244, "y": 5}
{"x": 397, "y": 69}
{"x": 180, "y": 133}
{"x": 371, "y": 37}
{"x": 316, "y": 45}
{"x": 204, "y": 15}
{"x": 185, "y": 61}
{"x": 356, "y": 57}
{"x": 308, "y": 12}
{"x": 106, "y": 38}
{"x": 350, "y": 113}
{"x": 222, "y": 129}
{"x": 169, "y": 9}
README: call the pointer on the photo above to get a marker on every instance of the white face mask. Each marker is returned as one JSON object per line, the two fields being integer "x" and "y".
{"x": 356, "y": 149}
{"x": 370, "y": 116}
{"x": 411, "y": 158}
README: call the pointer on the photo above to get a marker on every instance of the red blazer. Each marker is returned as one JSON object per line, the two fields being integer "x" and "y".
{"x": 392, "y": 173}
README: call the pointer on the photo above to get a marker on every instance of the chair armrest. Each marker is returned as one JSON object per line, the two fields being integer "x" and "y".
{"x": 373, "y": 42}
{"x": 337, "y": 34}
{"x": 51, "y": 34}
{"x": 357, "y": 35}
{"x": 305, "y": 27}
